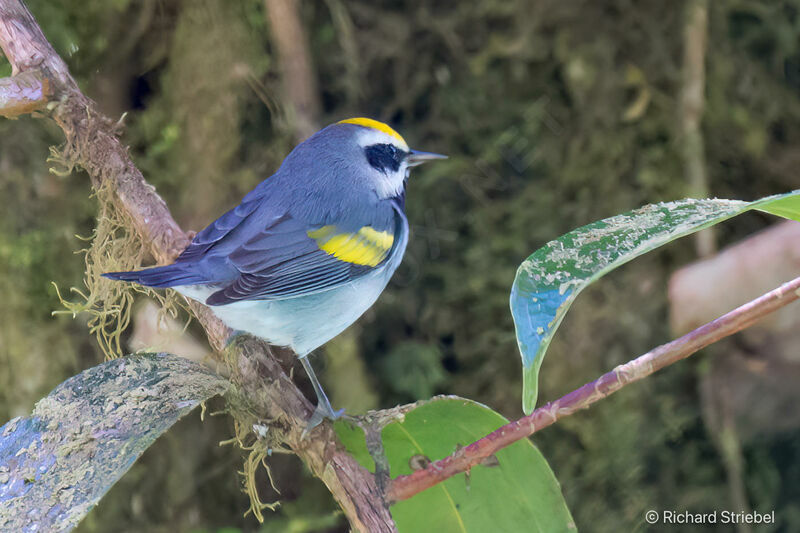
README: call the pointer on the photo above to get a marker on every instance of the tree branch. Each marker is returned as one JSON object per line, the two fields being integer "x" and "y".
{"x": 24, "y": 93}
{"x": 692, "y": 103}
{"x": 264, "y": 388}
{"x": 403, "y": 487}
{"x": 294, "y": 57}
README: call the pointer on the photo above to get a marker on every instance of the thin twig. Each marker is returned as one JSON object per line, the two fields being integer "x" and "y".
{"x": 403, "y": 487}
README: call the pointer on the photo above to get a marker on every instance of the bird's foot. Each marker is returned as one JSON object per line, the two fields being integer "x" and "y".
{"x": 324, "y": 409}
{"x": 322, "y": 412}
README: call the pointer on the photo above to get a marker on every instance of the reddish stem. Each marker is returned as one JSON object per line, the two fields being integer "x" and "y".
{"x": 403, "y": 487}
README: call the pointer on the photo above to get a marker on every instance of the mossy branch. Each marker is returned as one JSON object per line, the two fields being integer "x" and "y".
{"x": 263, "y": 387}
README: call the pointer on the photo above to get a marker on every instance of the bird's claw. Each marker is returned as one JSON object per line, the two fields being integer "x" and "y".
{"x": 321, "y": 413}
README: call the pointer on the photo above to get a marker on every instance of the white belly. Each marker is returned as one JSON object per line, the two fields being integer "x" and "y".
{"x": 302, "y": 323}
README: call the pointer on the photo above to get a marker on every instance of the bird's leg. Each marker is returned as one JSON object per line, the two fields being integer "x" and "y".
{"x": 324, "y": 409}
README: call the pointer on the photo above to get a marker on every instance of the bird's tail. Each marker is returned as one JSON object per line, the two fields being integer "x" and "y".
{"x": 162, "y": 276}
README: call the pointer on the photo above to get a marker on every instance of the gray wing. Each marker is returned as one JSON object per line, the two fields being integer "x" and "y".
{"x": 288, "y": 257}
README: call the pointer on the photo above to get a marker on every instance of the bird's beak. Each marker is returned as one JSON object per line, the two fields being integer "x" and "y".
{"x": 415, "y": 157}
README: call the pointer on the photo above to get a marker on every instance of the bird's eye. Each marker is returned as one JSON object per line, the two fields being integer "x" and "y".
{"x": 384, "y": 157}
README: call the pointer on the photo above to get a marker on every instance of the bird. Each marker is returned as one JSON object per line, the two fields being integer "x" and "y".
{"x": 310, "y": 249}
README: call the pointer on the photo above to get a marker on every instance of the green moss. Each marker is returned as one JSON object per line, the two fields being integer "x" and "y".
{"x": 114, "y": 246}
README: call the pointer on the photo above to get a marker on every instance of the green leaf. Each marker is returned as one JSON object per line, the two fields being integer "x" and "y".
{"x": 352, "y": 437}
{"x": 518, "y": 493}
{"x": 56, "y": 464}
{"x": 552, "y": 277}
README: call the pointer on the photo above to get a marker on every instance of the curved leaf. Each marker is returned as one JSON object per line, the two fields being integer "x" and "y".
{"x": 552, "y": 277}
{"x": 515, "y": 492}
{"x": 56, "y": 464}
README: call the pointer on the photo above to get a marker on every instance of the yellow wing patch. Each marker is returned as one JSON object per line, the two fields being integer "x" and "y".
{"x": 367, "y": 246}
{"x": 375, "y": 125}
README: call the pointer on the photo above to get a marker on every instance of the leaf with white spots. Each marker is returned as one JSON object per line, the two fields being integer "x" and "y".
{"x": 552, "y": 277}
{"x": 56, "y": 464}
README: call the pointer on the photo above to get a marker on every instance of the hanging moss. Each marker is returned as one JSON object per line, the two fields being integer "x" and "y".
{"x": 113, "y": 247}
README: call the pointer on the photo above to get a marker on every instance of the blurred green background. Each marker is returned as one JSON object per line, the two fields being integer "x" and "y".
{"x": 554, "y": 114}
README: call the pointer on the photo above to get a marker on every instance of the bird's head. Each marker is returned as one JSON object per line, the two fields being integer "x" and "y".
{"x": 367, "y": 150}
{"x": 385, "y": 152}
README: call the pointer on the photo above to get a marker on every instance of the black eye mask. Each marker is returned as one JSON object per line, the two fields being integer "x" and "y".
{"x": 384, "y": 156}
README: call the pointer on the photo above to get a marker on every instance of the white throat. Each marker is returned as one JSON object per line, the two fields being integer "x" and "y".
{"x": 391, "y": 185}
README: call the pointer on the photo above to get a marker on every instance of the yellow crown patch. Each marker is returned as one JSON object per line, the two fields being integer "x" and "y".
{"x": 375, "y": 125}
